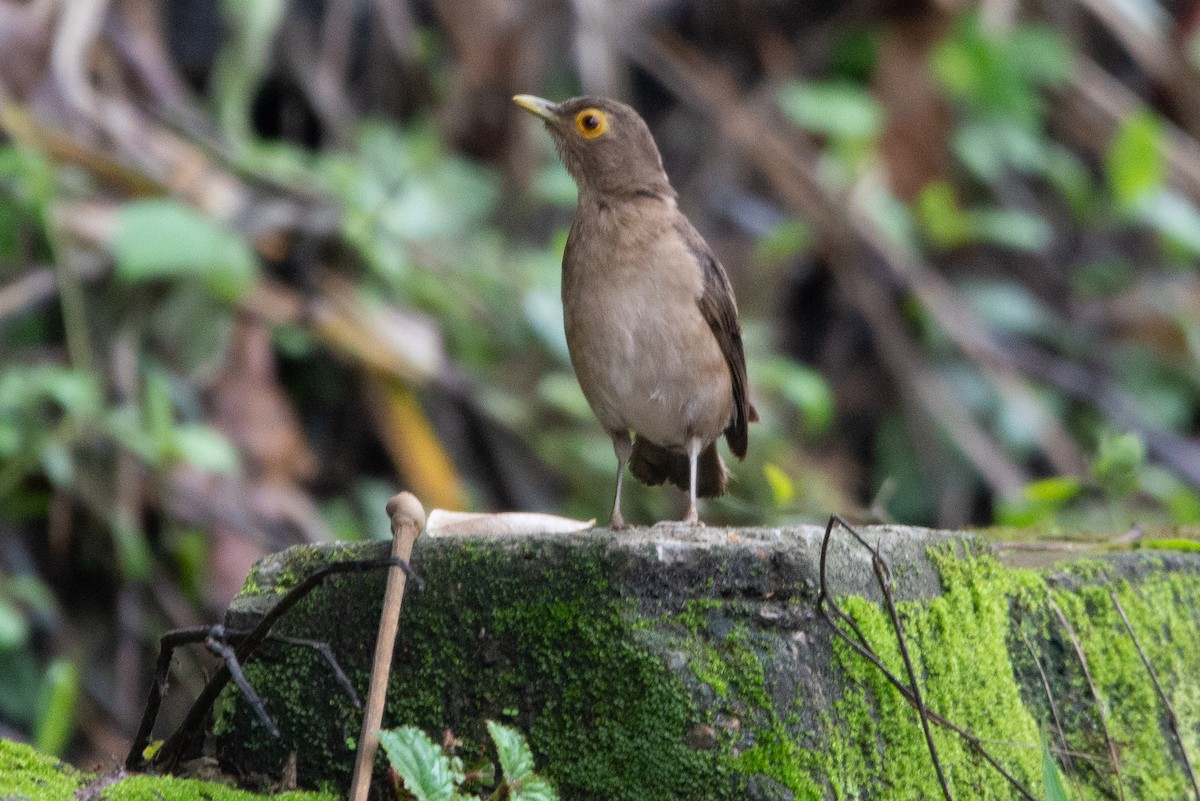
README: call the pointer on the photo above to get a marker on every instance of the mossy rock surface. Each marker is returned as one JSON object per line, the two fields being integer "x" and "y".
{"x": 672, "y": 663}
{"x": 26, "y": 775}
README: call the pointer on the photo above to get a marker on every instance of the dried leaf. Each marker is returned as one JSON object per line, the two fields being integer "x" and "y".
{"x": 442, "y": 523}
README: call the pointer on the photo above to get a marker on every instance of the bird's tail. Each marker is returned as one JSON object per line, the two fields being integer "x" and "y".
{"x": 652, "y": 465}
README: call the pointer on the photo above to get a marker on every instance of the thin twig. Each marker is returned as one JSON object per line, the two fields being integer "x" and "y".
{"x": 1172, "y": 720}
{"x": 228, "y": 653}
{"x": 859, "y": 643}
{"x": 172, "y": 749}
{"x": 883, "y": 576}
{"x": 1062, "y": 733}
{"x": 1087, "y": 674}
{"x": 324, "y": 650}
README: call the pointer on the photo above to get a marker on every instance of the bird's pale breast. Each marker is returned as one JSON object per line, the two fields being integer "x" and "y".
{"x": 645, "y": 357}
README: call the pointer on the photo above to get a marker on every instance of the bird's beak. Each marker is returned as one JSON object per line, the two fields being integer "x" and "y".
{"x": 538, "y": 106}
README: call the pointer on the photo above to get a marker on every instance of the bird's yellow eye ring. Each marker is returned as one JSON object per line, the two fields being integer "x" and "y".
{"x": 591, "y": 122}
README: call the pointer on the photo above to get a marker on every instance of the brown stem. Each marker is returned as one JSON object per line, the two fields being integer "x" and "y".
{"x": 408, "y": 518}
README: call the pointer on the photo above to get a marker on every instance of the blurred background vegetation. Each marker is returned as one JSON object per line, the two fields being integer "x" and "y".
{"x": 263, "y": 263}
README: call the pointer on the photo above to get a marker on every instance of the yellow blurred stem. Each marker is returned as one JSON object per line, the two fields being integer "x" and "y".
{"x": 412, "y": 443}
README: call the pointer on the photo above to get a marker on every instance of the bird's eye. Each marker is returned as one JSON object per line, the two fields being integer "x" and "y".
{"x": 591, "y": 122}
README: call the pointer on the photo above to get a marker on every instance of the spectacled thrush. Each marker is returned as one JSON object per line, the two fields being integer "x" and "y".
{"x": 651, "y": 321}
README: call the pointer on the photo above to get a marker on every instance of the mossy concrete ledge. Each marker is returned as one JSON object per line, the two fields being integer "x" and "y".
{"x": 672, "y": 663}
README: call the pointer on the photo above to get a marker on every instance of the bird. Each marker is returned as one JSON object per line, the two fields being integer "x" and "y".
{"x": 650, "y": 317}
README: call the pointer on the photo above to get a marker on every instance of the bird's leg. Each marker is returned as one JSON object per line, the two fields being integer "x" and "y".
{"x": 623, "y": 448}
{"x": 693, "y": 514}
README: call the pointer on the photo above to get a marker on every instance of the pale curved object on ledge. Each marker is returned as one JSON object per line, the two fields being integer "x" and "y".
{"x": 442, "y": 523}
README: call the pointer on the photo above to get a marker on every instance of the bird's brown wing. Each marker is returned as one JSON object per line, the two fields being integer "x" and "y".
{"x": 720, "y": 312}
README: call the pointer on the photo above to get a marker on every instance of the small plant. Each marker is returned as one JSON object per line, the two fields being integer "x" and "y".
{"x": 429, "y": 773}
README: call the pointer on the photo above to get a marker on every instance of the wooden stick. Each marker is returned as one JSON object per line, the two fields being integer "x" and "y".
{"x": 408, "y": 519}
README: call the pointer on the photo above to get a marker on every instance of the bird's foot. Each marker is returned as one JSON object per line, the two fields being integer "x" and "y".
{"x": 693, "y": 518}
{"x": 617, "y": 522}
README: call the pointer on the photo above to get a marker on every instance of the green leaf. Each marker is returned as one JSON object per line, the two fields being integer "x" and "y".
{"x": 801, "y": 386}
{"x": 1010, "y": 307}
{"x": 158, "y": 412}
{"x": 940, "y": 217}
{"x": 1134, "y": 164}
{"x": 1054, "y": 491}
{"x": 1052, "y": 780}
{"x": 14, "y": 628}
{"x": 535, "y": 788}
{"x": 516, "y": 760}
{"x": 133, "y": 552}
{"x": 60, "y": 693}
{"x": 783, "y": 489}
{"x": 205, "y": 448}
{"x": 949, "y": 226}
{"x": 561, "y": 392}
{"x": 834, "y": 109}
{"x": 1119, "y": 462}
{"x": 165, "y": 239}
{"x": 1011, "y": 228}
{"x": 422, "y": 766}
{"x": 784, "y": 241}
{"x": 1174, "y": 216}
{"x": 242, "y": 62}
{"x": 58, "y": 463}
{"x": 1041, "y": 54}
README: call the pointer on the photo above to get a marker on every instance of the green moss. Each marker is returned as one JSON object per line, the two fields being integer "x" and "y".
{"x": 777, "y": 755}
{"x": 1162, "y": 612}
{"x": 26, "y": 775}
{"x": 959, "y": 645}
{"x": 1170, "y": 544}
{"x": 169, "y": 788}
{"x": 549, "y": 639}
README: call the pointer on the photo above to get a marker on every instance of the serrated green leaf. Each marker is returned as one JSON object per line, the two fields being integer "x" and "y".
{"x": 1134, "y": 164}
{"x": 422, "y": 766}
{"x": 516, "y": 760}
{"x": 165, "y": 239}
{"x": 535, "y": 788}
{"x": 835, "y": 109}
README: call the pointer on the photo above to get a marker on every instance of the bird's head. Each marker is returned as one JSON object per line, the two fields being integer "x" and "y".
{"x": 605, "y": 145}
